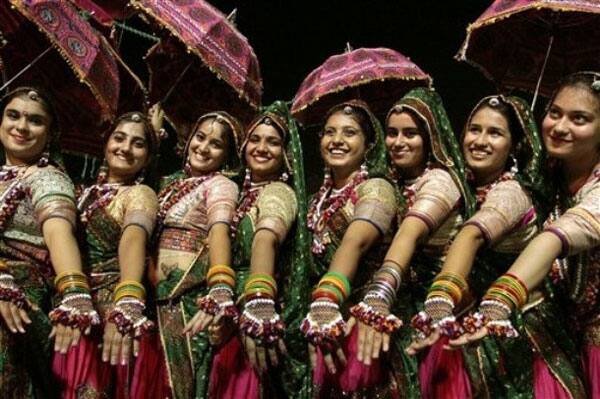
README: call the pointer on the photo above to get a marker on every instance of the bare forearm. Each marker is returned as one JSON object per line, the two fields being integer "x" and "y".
{"x": 264, "y": 252}
{"x": 219, "y": 244}
{"x": 132, "y": 253}
{"x": 463, "y": 250}
{"x": 411, "y": 232}
{"x": 535, "y": 261}
{"x": 357, "y": 240}
{"x": 62, "y": 245}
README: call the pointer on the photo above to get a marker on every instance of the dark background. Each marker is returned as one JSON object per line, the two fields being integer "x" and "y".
{"x": 291, "y": 38}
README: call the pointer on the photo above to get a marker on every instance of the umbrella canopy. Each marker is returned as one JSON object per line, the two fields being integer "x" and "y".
{"x": 202, "y": 64}
{"x": 517, "y": 43}
{"x": 379, "y": 76}
{"x": 78, "y": 67}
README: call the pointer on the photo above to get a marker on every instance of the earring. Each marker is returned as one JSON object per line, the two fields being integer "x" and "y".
{"x": 247, "y": 180}
{"x": 45, "y": 158}
{"x": 102, "y": 173}
{"x": 141, "y": 176}
{"x": 187, "y": 168}
{"x": 284, "y": 177}
{"x": 364, "y": 170}
{"x": 514, "y": 169}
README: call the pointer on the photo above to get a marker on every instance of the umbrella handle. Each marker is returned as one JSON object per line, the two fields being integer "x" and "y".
{"x": 539, "y": 82}
{"x": 22, "y": 71}
{"x": 166, "y": 97}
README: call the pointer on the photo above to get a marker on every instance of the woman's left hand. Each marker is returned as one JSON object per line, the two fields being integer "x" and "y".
{"x": 116, "y": 347}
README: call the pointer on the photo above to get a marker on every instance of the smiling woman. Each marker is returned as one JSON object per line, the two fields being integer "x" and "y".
{"x": 37, "y": 243}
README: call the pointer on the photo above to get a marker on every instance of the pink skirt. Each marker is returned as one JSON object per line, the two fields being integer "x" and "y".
{"x": 82, "y": 371}
{"x": 442, "y": 373}
{"x": 231, "y": 375}
{"x": 591, "y": 367}
{"x": 354, "y": 377}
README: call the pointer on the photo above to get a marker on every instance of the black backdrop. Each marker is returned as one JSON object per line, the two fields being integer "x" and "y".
{"x": 291, "y": 38}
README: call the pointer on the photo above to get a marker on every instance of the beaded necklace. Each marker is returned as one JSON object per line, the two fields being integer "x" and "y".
{"x": 174, "y": 192}
{"x": 319, "y": 217}
{"x": 248, "y": 197}
{"x": 15, "y": 192}
{"x": 482, "y": 192}
{"x": 103, "y": 194}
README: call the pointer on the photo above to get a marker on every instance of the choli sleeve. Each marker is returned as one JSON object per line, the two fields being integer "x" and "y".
{"x": 504, "y": 207}
{"x": 277, "y": 209}
{"x": 579, "y": 227}
{"x": 436, "y": 196}
{"x": 141, "y": 206}
{"x": 52, "y": 195}
{"x": 221, "y": 200}
{"x": 376, "y": 203}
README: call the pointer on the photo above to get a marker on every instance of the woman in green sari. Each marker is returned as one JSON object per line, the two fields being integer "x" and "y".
{"x": 197, "y": 206}
{"x": 503, "y": 150}
{"x": 349, "y": 218}
{"x": 272, "y": 267}
{"x": 428, "y": 169}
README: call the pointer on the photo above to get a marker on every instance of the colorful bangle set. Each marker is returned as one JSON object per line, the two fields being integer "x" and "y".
{"x": 509, "y": 290}
{"x": 129, "y": 288}
{"x": 445, "y": 293}
{"x": 71, "y": 282}
{"x": 260, "y": 285}
{"x": 506, "y": 294}
{"x": 333, "y": 286}
{"x": 220, "y": 275}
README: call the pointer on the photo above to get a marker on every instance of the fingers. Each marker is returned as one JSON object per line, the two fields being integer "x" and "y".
{"x": 341, "y": 357}
{"x": 350, "y": 325}
{"x": 136, "y": 347}
{"x": 329, "y": 363}
{"x": 477, "y": 335}
{"x": 312, "y": 354}
{"x": 368, "y": 347}
{"x": 273, "y": 356}
{"x": 419, "y": 345}
{"x": 115, "y": 349}
{"x": 24, "y": 316}
{"x": 251, "y": 352}
{"x": 7, "y": 316}
{"x": 125, "y": 349}
{"x": 362, "y": 334}
{"x": 75, "y": 336}
{"x": 377, "y": 340}
{"x": 192, "y": 327}
{"x": 386, "y": 342}
{"x": 261, "y": 355}
{"x": 204, "y": 320}
{"x": 107, "y": 342}
{"x": 62, "y": 341}
{"x": 281, "y": 347}
{"x": 460, "y": 341}
{"x": 16, "y": 316}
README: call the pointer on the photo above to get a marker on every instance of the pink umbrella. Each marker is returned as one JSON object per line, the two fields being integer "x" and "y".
{"x": 380, "y": 76}
{"x": 203, "y": 63}
{"x": 532, "y": 44}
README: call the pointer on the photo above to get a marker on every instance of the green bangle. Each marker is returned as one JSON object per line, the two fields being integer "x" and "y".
{"x": 342, "y": 278}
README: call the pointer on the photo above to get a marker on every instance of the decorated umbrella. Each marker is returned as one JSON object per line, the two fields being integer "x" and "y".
{"x": 48, "y": 44}
{"x": 380, "y": 76}
{"x": 532, "y": 44}
{"x": 105, "y": 12}
{"x": 202, "y": 63}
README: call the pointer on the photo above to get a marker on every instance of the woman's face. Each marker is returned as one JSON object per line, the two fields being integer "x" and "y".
{"x": 24, "y": 130}
{"x": 208, "y": 147}
{"x": 126, "y": 151}
{"x": 487, "y": 144}
{"x": 343, "y": 144}
{"x": 264, "y": 152}
{"x": 405, "y": 143}
{"x": 571, "y": 128}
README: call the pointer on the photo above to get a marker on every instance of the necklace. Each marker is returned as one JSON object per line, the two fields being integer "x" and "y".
{"x": 482, "y": 192}
{"x": 103, "y": 194}
{"x": 13, "y": 194}
{"x": 324, "y": 206}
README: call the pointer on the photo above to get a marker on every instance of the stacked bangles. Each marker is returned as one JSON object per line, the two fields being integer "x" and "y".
{"x": 128, "y": 311}
{"x": 324, "y": 323}
{"x": 444, "y": 294}
{"x": 9, "y": 289}
{"x": 507, "y": 293}
{"x": 219, "y": 300}
{"x": 374, "y": 309}
{"x": 76, "y": 308}
{"x": 259, "y": 319}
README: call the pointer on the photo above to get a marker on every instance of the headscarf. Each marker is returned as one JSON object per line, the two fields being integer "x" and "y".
{"x": 528, "y": 150}
{"x": 52, "y": 148}
{"x": 279, "y": 114}
{"x": 427, "y": 106}
{"x": 376, "y": 156}
{"x": 232, "y": 163}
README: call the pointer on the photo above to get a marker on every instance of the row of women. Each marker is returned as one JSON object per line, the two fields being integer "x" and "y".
{"x": 426, "y": 265}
